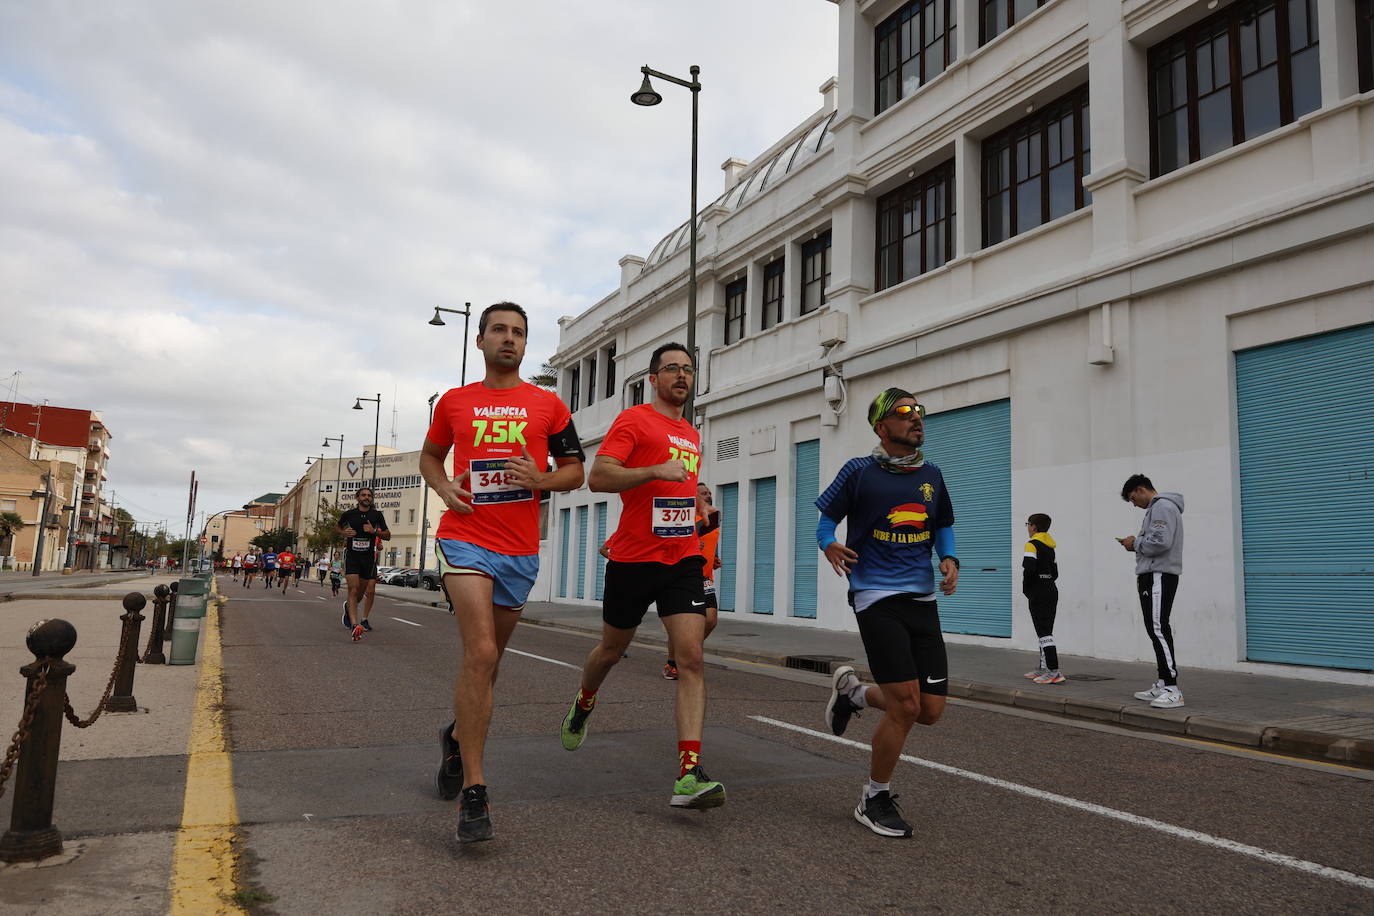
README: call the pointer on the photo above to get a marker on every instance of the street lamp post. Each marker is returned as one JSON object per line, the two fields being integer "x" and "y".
{"x": 338, "y": 467}
{"x": 424, "y": 500}
{"x": 648, "y": 96}
{"x": 438, "y": 322}
{"x": 46, "y": 496}
{"x": 376, "y": 429}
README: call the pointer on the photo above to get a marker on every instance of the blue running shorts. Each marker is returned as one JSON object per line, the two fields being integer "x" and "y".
{"x": 511, "y": 577}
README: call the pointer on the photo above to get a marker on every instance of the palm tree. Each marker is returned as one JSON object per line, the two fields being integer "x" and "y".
{"x": 10, "y": 523}
{"x": 546, "y": 377}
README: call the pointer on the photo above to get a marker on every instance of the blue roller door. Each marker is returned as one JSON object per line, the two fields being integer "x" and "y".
{"x": 565, "y": 535}
{"x": 764, "y": 503}
{"x": 806, "y": 463}
{"x": 600, "y": 560}
{"x": 972, "y": 447}
{"x": 1305, "y": 416}
{"x": 728, "y": 547}
{"x": 581, "y": 551}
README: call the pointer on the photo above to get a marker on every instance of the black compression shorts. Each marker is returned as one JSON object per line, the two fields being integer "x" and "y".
{"x": 632, "y": 587}
{"x": 902, "y": 639}
{"x": 362, "y": 565}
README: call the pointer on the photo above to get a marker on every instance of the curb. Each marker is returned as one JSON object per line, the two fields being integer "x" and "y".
{"x": 1296, "y": 742}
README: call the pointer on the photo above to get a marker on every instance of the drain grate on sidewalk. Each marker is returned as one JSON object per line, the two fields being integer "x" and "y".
{"x": 1089, "y": 677}
{"x": 822, "y": 664}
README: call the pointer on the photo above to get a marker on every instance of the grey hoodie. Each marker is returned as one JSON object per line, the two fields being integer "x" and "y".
{"x": 1159, "y": 545}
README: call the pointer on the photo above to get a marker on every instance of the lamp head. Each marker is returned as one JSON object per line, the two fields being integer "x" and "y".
{"x": 357, "y": 404}
{"x": 324, "y": 444}
{"x": 646, "y": 95}
{"x": 436, "y": 320}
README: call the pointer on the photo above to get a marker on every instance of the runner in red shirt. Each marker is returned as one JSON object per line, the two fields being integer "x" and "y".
{"x": 286, "y": 565}
{"x": 650, "y": 456}
{"x": 502, "y": 431}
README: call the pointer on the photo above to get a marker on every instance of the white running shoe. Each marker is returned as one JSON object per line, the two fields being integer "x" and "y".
{"x": 1153, "y": 692}
{"x": 1171, "y": 698}
{"x": 1032, "y": 675}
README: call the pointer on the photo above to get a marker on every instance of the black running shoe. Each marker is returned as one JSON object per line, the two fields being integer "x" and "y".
{"x": 449, "y": 780}
{"x": 474, "y": 815}
{"x": 367, "y": 626}
{"x": 345, "y": 616}
{"x": 839, "y": 708}
{"x": 880, "y": 814}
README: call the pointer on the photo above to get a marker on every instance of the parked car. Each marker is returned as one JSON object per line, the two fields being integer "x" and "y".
{"x": 395, "y": 575}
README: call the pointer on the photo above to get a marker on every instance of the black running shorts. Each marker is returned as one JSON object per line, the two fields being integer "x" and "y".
{"x": 362, "y": 565}
{"x": 632, "y": 587}
{"x": 903, "y": 642}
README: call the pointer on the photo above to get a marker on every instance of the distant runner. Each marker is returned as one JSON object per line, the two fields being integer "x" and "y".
{"x": 361, "y": 528}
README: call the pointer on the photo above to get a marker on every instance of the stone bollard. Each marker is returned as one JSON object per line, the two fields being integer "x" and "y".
{"x": 171, "y": 612}
{"x": 32, "y": 835}
{"x": 154, "y": 655}
{"x": 122, "y": 700}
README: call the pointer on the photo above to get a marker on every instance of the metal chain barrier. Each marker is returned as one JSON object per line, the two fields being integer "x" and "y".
{"x": 154, "y": 642}
{"x": 109, "y": 688}
{"x": 21, "y": 734}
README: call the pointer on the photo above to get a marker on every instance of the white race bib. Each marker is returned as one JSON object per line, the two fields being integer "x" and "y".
{"x": 362, "y": 543}
{"x": 674, "y": 516}
{"x": 708, "y": 587}
{"x": 490, "y": 484}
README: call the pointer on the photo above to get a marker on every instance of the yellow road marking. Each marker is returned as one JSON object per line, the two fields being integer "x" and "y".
{"x": 205, "y": 855}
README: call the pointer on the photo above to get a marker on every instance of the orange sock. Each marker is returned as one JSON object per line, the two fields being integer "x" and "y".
{"x": 688, "y": 756}
{"x": 585, "y": 700}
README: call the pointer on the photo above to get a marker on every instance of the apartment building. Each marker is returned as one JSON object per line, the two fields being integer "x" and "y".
{"x": 1095, "y": 238}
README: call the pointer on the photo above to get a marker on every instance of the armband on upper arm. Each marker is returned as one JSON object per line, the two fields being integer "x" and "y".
{"x": 566, "y": 444}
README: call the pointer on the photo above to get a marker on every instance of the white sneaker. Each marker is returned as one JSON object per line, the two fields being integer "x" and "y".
{"x": 1153, "y": 692}
{"x": 1171, "y": 698}
{"x": 1032, "y": 675}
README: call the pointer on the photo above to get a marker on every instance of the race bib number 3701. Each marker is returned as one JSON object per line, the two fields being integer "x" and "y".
{"x": 674, "y": 516}
{"x": 490, "y": 484}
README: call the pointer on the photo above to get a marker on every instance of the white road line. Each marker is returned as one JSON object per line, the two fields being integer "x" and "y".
{"x": 1275, "y": 858}
{"x": 411, "y": 622}
{"x": 320, "y": 598}
{"x": 551, "y": 661}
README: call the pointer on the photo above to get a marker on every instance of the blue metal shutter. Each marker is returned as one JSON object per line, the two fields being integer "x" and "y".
{"x": 728, "y": 547}
{"x": 765, "y": 506}
{"x": 972, "y": 447}
{"x": 600, "y": 560}
{"x": 581, "y": 551}
{"x": 1305, "y": 416}
{"x": 806, "y": 464}
{"x": 565, "y": 529}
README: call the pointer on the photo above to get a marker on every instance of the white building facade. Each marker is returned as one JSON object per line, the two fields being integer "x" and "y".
{"x": 1095, "y": 238}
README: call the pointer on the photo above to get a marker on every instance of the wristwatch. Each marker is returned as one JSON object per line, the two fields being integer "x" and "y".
{"x": 954, "y": 560}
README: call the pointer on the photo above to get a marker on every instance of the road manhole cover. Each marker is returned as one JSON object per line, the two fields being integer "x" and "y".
{"x": 819, "y": 663}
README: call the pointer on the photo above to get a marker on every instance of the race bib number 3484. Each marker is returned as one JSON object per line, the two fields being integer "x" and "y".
{"x": 491, "y": 485}
{"x": 674, "y": 516}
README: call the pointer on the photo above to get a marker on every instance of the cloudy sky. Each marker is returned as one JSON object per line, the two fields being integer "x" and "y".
{"x": 220, "y": 222}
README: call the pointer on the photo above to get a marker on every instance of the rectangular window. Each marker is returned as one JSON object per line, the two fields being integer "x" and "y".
{"x": 911, "y": 47}
{"x": 916, "y": 226}
{"x": 734, "y": 309}
{"x": 591, "y": 379}
{"x": 1364, "y": 42}
{"x": 574, "y": 386}
{"x": 637, "y": 393}
{"x": 815, "y": 272}
{"x": 1000, "y": 15}
{"x": 396, "y": 520}
{"x": 412, "y": 516}
{"x": 772, "y": 294}
{"x": 8, "y": 505}
{"x": 610, "y": 371}
{"x": 1033, "y": 171}
{"x": 1249, "y": 69}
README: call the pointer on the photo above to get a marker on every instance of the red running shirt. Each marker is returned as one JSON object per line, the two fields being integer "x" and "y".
{"x": 485, "y": 426}
{"x": 657, "y": 519}
{"x": 286, "y": 560}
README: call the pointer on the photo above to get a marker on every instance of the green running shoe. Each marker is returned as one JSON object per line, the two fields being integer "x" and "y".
{"x": 575, "y": 726}
{"x": 697, "y": 790}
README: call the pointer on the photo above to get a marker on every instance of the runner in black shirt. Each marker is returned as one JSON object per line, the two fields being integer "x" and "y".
{"x": 361, "y": 528}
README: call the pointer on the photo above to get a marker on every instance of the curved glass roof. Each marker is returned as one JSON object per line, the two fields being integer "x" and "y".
{"x": 761, "y": 176}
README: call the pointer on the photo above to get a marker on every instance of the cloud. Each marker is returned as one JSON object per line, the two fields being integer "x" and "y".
{"x": 223, "y": 222}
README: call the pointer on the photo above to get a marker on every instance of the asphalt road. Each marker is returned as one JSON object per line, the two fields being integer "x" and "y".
{"x": 335, "y": 747}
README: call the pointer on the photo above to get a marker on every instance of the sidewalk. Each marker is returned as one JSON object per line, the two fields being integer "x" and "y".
{"x": 1286, "y": 715}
